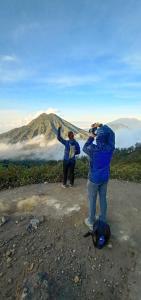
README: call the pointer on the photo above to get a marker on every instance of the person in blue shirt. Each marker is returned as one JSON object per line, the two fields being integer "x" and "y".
{"x": 100, "y": 155}
{"x": 72, "y": 149}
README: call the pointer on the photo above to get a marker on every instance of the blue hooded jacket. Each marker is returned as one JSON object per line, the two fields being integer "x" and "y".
{"x": 100, "y": 154}
{"x": 72, "y": 147}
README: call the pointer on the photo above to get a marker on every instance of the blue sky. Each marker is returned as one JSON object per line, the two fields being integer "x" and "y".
{"x": 81, "y": 59}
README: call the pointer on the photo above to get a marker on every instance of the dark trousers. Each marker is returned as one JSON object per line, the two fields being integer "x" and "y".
{"x": 68, "y": 170}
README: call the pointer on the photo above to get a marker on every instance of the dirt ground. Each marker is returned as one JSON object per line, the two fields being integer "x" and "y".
{"x": 74, "y": 268}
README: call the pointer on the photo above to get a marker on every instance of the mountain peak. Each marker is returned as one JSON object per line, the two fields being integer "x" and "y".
{"x": 45, "y": 124}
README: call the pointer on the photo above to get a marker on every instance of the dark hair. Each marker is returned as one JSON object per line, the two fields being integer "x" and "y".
{"x": 71, "y": 135}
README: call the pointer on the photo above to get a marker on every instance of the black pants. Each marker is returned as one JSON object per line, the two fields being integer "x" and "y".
{"x": 68, "y": 169}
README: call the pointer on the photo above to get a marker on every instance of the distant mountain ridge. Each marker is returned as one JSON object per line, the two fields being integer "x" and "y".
{"x": 125, "y": 123}
{"x": 45, "y": 124}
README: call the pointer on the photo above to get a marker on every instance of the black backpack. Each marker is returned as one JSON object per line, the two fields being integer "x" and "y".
{"x": 100, "y": 234}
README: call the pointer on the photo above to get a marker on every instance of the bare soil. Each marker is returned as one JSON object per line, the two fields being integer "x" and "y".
{"x": 75, "y": 269}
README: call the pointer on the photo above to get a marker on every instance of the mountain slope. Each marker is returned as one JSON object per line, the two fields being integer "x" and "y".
{"x": 45, "y": 124}
{"x": 125, "y": 123}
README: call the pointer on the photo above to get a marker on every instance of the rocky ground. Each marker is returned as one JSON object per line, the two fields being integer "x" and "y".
{"x": 43, "y": 254}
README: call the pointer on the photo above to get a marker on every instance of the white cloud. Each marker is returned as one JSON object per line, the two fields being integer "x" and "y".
{"x": 11, "y": 69}
{"x": 10, "y": 119}
{"x": 8, "y": 58}
{"x": 133, "y": 60}
{"x": 126, "y": 138}
{"x": 36, "y": 148}
{"x": 39, "y": 148}
{"x": 68, "y": 81}
{"x": 8, "y": 75}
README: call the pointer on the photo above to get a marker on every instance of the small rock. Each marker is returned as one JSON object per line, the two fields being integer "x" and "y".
{"x": 76, "y": 279}
{"x": 9, "y": 259}
{"x": 3, "y": 220}
{"x": 24, "y": 294}
{"x": 30, "y": 268}
{"x": 110, "y": 246}
{"x": 34, "y": 223}
{"x": 1, "y": 274}
{"x": 9, "y": 280}
{"x": 41, "y": 219}
{"x": 10, "y": 252}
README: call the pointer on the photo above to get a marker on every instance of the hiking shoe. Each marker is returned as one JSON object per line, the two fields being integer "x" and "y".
{"x": 88, "y": 224}
{"x": 70, "y": 185}
{"x": 63, "y": 186}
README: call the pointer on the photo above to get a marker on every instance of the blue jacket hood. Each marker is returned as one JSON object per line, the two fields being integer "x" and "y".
{"x": 105, "y": 138}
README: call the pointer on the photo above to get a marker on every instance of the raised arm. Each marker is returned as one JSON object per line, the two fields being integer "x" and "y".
{"x": 60, "y": 139}
{"x": 88, "y": 145}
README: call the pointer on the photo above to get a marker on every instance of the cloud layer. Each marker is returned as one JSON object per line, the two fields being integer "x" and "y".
{"x": 38, "y": 148}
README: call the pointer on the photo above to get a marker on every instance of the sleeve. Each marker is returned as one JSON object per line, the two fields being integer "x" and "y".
{"x": 77, "y": 150}
{"x": 60, "y": 139}
{"x": 87, "y": 148}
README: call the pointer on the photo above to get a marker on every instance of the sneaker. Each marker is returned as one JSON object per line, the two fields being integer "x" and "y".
{"x": 88, "y": 224}
{"x": 70, "y": 185}
{"x": 63, "y": 186}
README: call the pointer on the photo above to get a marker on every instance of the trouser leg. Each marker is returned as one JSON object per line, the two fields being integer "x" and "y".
{"x": 65, "y": 172}
{"x": 71, "y": 172}
{"x": 92, "y": 195}
{"x": 103, "y": 201}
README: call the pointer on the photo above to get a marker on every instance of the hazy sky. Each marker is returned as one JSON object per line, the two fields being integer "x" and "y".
{"x": 79, "y": 58}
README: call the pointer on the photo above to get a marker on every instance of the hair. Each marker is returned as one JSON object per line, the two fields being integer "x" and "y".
{"x": 71, "y": 135}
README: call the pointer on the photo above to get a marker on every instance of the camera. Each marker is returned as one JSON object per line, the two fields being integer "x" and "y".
{"x": 93, "y": 130}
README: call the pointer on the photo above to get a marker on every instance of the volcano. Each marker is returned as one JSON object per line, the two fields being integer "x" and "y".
{"x": 45, "y": 125}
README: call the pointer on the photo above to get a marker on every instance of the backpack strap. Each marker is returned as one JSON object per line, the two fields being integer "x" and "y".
{"x": 92, "y": 235}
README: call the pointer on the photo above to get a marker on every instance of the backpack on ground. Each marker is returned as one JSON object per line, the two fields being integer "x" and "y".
{"x": 100, "y": 234}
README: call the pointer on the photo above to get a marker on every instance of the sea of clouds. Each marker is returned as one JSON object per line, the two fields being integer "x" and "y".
{"x": 39, "y": 148}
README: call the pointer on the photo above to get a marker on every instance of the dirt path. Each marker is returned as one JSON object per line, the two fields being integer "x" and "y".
{"x": 75, "y": 270}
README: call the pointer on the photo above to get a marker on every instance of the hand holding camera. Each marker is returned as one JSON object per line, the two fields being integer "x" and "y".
{"x": 93, "y": 130}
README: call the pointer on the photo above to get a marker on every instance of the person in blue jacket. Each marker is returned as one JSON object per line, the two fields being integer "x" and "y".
{"x": 100, "y": 155}
{"x": 72, "y": 149}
